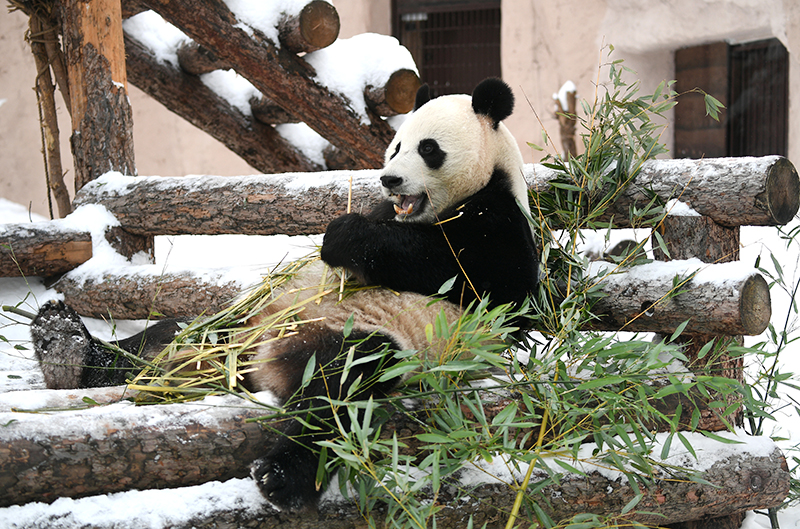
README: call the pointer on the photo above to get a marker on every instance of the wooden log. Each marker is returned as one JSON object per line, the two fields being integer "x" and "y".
{"x": 700, "y": 237}
{"x": 186, "y": 95}
{"x": 132, "y": 7}
{"x": 315, "y": 27}
{"x": 396, "y": 97}
{"x": 720, "y": 299}
{"x": 197, "y": 60}
{"x": 146, "y": 292}
{"x": 733, "y": 191}
{"x": 280, "y": 75}
{"x": 125, "y": 447}
{"x": 286, "y": 204}
{"x": 266, "y": 111}
{"x": 291, "y": 204}
{"x": 41, "y": 249}
{"x": 101, "y": 114}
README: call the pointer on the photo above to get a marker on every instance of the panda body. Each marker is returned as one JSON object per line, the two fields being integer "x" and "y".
{"x": 455, "y": 205}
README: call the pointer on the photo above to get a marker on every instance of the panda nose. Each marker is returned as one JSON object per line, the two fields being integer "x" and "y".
{"x": 390, "y": 181}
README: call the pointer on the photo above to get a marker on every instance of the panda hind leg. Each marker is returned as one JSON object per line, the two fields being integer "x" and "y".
{"x": 70, "y": 357}
{"x": 286, "y": 475}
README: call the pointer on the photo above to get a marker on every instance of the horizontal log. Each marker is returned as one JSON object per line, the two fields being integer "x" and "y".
{"x": 266, "y": 111}
{"x": 124, "y": 447}
{"x": 296, "y": 204}
{"x": 256, "y": 143}
{"x": 727, "y": 299}
{"x": 144, "y": 292}
{"x": 42, "y": 249}
{"x": 291, "y": 204}
{"x": 732, "y": 191}
{"x": 315, "y": 27}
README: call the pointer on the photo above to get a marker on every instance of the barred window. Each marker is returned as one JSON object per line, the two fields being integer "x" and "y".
{"x": 455, "y": 44}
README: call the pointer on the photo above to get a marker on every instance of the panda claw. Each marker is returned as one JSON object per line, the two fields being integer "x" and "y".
{"x": 61, "y": 344}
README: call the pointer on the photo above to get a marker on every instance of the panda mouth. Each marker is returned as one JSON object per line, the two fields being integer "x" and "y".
{"x": 408, "y": 204}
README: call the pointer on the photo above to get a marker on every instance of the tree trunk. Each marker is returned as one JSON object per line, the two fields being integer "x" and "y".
{"x": 127, "y": 447}
{"x": 280, "y": 75}
{"x": 41, "y": 249}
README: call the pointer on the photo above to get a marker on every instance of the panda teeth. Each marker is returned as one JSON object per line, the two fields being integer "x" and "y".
{"x": 401, "y": 211}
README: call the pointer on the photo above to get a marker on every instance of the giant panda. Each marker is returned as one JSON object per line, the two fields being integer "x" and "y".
{"x": 455, "y": 206}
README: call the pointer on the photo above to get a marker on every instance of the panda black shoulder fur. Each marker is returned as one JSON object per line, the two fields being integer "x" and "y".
{"x": 453, "y": 190}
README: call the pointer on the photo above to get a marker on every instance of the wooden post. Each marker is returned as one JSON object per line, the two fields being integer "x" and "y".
{"x": 701, "y": 237}
{"x": 102, "y": 123}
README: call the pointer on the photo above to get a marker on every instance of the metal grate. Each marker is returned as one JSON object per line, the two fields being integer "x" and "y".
{"x": 454, "y": 46}
{"x": 758, "y": 114}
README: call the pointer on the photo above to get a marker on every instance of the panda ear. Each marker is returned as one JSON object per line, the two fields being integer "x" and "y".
{"x": 492, "y": 97}
{"x": 423, "y": 96}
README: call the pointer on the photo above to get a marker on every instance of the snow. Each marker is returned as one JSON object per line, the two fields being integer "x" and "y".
{"x": 348, "y": 66}
{"x": 561, "y": 95}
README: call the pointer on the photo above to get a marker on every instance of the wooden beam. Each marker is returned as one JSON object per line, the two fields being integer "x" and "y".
{"x": 315, "y": 27}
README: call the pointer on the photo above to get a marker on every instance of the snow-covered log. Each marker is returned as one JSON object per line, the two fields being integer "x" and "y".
{"x": 256, "y": 143}
{"x": 727, "y": 298}
{"x": 396, "y": 96}
{"x": 290, "y": 204}
{"x": 122, "y": 447}
{"x": 296, "y": 204}
{"x": 280, "y": 75}
{"x": 744, "y": 191}
{"x": 40, "y": 249}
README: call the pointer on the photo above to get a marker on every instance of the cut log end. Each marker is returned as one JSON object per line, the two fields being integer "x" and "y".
{"x": 397, "y": 97}
{"x": 319, "y": 24}
{"x": 316, "y": 27}
{"x": 783, "y": 191}
{"x": 755, "y": 305}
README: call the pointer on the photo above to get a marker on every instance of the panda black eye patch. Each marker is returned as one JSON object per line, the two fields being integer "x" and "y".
{"x": 395, "y": 151}
{"x": 431, "y": 152}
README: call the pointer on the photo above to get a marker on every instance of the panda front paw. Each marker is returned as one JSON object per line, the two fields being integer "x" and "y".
{"x": 287, "y": 480}
{"x": 343, "y": 237}
{"x": 62, "y": 345}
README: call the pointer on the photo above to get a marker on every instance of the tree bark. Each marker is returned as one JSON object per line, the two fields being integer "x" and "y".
{"x": 732, "y": 191}
{"x": 127, "y": 447}
{"x": 280, "y": 75}
{"x": 186, "y": 95}
{"x": 41, "y": 249}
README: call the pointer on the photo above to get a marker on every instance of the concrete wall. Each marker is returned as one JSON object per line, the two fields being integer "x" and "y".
{"x": 544, "y": 44}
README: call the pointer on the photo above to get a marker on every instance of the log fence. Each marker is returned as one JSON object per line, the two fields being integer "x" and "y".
{"x": 726, "y": 194}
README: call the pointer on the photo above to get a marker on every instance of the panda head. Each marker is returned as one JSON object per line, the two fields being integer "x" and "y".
{"x": 448, "y": 149}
